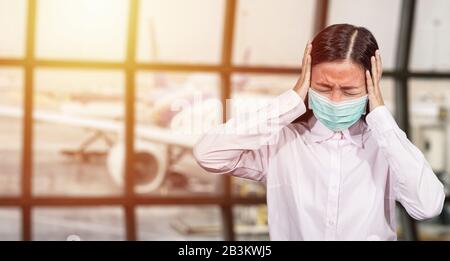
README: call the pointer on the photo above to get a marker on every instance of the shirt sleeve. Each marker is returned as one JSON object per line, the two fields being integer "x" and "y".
{"x": 240, "y": 146}
{"x": 417, "y": 187}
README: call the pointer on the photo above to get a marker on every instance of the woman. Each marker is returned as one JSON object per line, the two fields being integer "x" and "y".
{"x": 331, "y": 155}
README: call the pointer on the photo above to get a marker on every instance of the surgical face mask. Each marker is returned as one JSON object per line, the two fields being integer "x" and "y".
{"x": 336, "y": 116}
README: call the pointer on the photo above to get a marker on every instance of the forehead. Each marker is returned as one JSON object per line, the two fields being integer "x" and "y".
{"x": 340, "y": 72}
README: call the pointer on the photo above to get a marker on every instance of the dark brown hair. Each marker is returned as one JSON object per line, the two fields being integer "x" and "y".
{"x": 339, "y": 42}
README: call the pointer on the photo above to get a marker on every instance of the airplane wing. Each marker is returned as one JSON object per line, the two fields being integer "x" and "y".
{"x": 148, "y": 133}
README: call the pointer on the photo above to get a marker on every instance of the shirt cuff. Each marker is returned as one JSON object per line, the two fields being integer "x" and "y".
{"x": 381, "y": 119}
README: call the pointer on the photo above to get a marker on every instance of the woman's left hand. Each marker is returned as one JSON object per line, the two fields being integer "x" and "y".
{"x": 373, "y": 82}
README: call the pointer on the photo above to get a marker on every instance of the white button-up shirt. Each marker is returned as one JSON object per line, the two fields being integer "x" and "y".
{"x": 324, "y": 185}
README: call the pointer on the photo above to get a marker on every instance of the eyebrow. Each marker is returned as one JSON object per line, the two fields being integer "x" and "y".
{"x": 349, "y": 87}
{"x": 324, "y": 84}
{"x": 342, "y": 87}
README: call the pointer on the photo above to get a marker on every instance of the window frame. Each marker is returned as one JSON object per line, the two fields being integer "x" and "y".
{"x": 129, "y": 201}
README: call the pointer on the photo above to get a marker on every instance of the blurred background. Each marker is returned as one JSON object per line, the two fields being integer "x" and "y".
{"x": 101, "y": 102}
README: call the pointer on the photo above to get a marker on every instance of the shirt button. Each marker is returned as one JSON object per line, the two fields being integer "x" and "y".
{"x": 330, "y": 222}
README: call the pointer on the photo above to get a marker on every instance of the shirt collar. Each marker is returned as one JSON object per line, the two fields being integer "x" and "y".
{"x": 356, "y": 134}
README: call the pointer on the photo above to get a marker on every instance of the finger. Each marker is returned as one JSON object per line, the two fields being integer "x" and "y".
{"x": 374, "y": 74}
{"x": 304, "y": 62}
{"x": 308, "y": 55}
{"x": 374, "y": 69}
{"x": 302, "y": 76}
{"x": 308, "y": 71}
{"x": 379, "y": 64}
{"x": 305, "y": 53}
{"x": 307, "y": 49}
{"x": 376, "y": 80}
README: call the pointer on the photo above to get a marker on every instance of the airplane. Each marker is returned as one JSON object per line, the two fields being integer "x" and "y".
{"x": 156, "y": 147}
{"x": 160, "y": 148}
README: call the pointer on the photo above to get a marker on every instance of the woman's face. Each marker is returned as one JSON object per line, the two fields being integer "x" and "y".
{"x": 339, "y": 81}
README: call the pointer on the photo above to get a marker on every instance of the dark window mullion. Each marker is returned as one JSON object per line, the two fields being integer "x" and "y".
{"x": 130, "y": 70}
{"x": 401, "y": 91}
{"x": 321, "y": 15}
{"x": 27, "y": 139}
{"x": 227, "y": 51}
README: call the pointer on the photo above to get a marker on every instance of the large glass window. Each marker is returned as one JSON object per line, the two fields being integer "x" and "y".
{"x": 429, "y": 107}
{"x": 10, "y": 220}
{"x": 11, "y": 112}
{"x": 287, "y": 26}
{"x": 94, "y": 70}
{"x": 174, "y": 31}
{"x": 366, "y": 13}
{"x": 173, "y": 110}
{"x": 76, "y": 224}
{"x": 12, "y": 28}
{"x": 78, "y": 119}
{"x": 431, "y": 38}
{"x": 82, "y": 30}
{"x": 179, "y": 223}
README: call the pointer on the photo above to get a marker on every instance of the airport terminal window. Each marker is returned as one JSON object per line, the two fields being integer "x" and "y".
{"x": 200, "y": 223}
{"x": 366, "y": 13}
{"x": 63, "y": 59}
{"x": 387, "y": 86}
{"x": 430, "y": 50}
{"x": 430, "y": 126}
{"x": 12, "y": 28}
{"x": 83, "y": 223}
{"x": 164, "y": 26}
{"x": 182, "y": 106}
{"x": 435, "y": 229}
{"x": 11, "y": 104}
{"x": 78, "y": 115}
{"x": 253, "y": 222}
{"x": 288, "y": 25}
{"x": 10, "y": 220}
{"x": 430, "y": 130}
{"x": 99, "y": 35}
{"x": 181, "y": 223}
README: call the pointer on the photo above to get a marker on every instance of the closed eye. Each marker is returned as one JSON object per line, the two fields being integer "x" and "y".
{"x": 323, "y": 87}
{"x": 351, "y": 90}
{"x": 352, "y": 93}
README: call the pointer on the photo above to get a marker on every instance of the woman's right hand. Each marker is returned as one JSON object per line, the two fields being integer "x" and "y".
{"x": 303, "y": 83}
